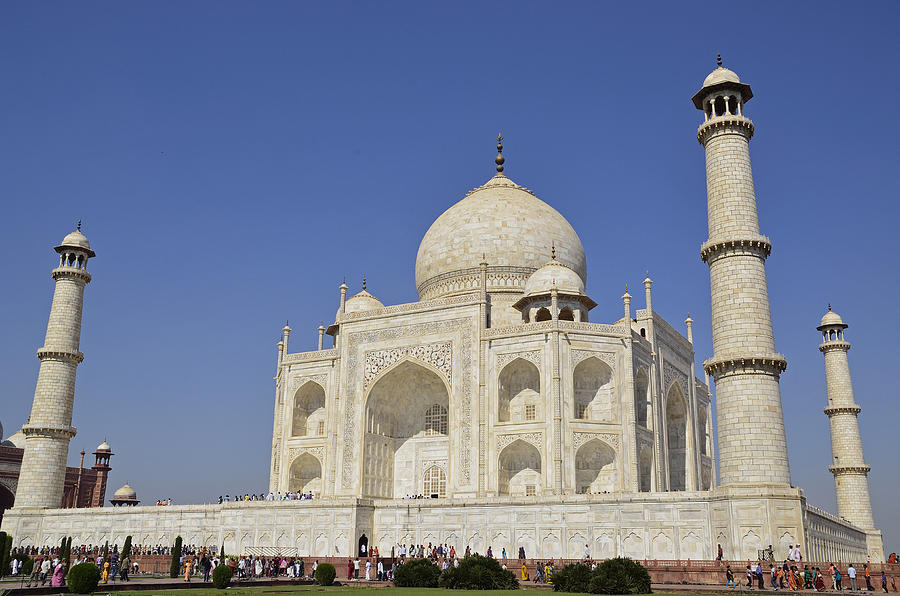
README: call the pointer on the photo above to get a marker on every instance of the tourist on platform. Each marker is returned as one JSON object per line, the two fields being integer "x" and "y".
{"x": 45, "y": 570}
{"x": 883, "y": 580}
{"x": 774, "y": 572}
{"x": 59, "y": 575}
{"x": 866, "y": 572}
{"x": 521, "y": 552}
{"x": 837, "y": 578}
{"x": 490, "y": 553}
{"x": 760, "y": 578}
{"x": 368, "y": 569}
{"x": 729, "y": 577}
{"x": 851, "y": 573}
{"x": 187, "y": 571}
{"x": 719, "y": 555}
{"x": 749, "y": 578}
{"x": 356, "y": 568}
{"x": 819, "y": 581}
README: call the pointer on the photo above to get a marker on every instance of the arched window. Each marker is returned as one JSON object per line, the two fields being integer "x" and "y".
{"x": 436, "y": 420}
{"x": 543, "y": 315}
{"x": 566, "y": 314}
{"x": 435, "y": 482}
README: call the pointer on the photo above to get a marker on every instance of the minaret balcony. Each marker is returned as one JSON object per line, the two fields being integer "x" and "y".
{"x": 757, "y": 246}
{"x": 832, "y": 410}
{"x": 727, "y": 124}
{"x": 834, "y": 344}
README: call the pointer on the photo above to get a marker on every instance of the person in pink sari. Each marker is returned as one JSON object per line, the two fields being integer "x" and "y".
{"x": 59, "y": 576}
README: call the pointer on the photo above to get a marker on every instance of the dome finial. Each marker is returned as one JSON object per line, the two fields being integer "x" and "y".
{"x": 499, "y": 160}
{"x": 719, "y": 59}
{"x": 829, "y": 307}
{"x": 79, "y": 225}
{"x": 364, "y": 282}
{"x": 553, "y": 250}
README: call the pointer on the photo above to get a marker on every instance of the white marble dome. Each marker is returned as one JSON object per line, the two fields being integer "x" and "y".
{"x": 126, "y": 492}
{"x": 721, "y": 75}
{"x": 361, "y": 302}
{"x": 78, "y": 239}
{"x": 832, "y": 318}
{"x": 505, "y": 225}
{"x": 554, "y": 272}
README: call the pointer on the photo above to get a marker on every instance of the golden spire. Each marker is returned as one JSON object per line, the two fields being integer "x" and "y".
{"x": 499, "y": 159}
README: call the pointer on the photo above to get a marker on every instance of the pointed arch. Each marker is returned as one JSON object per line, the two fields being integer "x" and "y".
{"x": 595, "y": 468}
{"x": 519, "y": 392}
{"x": 543, "y": 314}
{"x": 676, "y": 437}
{"x": 703, "y": 438}
{"x": 399, "y": 407}
{"x": 641, "y": 399}
{"x": 520, "y": 470}
{"x": 645, "y": 469}
{"x": 593, "y": 382}
{"x": 305, "y": 475}
{"x": 435, "y": 482}
{"x": 308, "y": 410}
{"x": 566, "y": 314}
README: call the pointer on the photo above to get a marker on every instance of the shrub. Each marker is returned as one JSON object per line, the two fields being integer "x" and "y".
{"x": 221, "y": 576}
{"x": 67, "y": 556}
{"x": 27, "y": 563}
{"x": 83, "y": 578}
{"x": 575, "y": 577}
{"x": 325, "y": 574}
{"x": 620, "y": 576}
{"x": 175, "y": 566}
{"x": 126, "y": 548}
{"x": 4, "y": 564}
{"x": 417, "y": 573}
{"x": 478, "y": 573}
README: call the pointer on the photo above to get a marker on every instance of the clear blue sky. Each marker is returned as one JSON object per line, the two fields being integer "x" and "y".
{"x": 232, "y": 162}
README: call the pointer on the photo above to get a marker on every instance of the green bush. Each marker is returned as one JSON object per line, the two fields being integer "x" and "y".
{"x": 27, "y": 564}
{"x": 175, "y": 565}
{"x": 126, "y": 548}
{"x": 620, "y": 576}
{"x": 221, "y": 576}
{"x": 575, "y": 577}
{"x": 417, "y": 573}
{"x": 325, "y": 574}
{"x": 478, "y": 573}
{"x": 83, "y": 578}
{"x": 4, "y": 552}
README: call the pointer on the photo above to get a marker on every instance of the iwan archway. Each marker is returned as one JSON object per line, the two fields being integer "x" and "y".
{"x": 406, "y": 425}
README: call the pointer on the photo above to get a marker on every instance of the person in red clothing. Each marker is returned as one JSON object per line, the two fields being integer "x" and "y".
{"x": 349, "y": 569}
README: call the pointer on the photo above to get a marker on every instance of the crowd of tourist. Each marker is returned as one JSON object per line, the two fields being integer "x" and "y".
{"x": 279, "y": 496}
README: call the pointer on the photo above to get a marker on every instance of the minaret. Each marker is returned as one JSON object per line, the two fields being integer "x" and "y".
{"x": 851, "y": 482}
{"x": 49, "y": 427}
{"x": 745, "y": 366}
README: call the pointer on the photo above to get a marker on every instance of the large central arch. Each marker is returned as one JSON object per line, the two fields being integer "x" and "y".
{"x": 676, "y": 437}
{"x": 406, "y": 424}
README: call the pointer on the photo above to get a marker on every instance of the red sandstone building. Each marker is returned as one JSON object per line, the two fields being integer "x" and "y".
{"x": 85, "y": 487}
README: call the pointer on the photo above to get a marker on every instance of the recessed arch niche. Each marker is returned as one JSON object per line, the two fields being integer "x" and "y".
{"x": 592, "y": 380}
{"x": 520, "y": 387}
{"x": 676, "y": 437}
{"x": 309, "y": 410}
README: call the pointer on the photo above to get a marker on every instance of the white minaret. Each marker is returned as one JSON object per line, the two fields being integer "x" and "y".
{"x": 49, "y": 428}
{"x": 745, "y": 366}
{"x": 851, "y": 482}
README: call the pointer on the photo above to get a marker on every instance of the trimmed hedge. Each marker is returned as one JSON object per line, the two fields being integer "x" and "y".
{"x": 325, "y": 574}
{"x": 221, "y": 576}
{"x": 620, "y": 576}
{"x": 175, "y": 565}
{"x": 478, "y": 573}
{"x": 575, "y": 577}
{"x": 613, "y": 576}
{"x": 126, "y": 548}
{"x": 417, "y": 573}
{"x": 83, "y": 578}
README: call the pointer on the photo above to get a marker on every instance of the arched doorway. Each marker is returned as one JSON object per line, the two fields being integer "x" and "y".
{"x": 309, "y": 411}
{"x": 676, "y": 437}
{"x": 7, "y": 498}
{"x": 305, "y": 475}
{"x": 406, "y": 421}
{"x": 520, "y": 392}
{"x": 641, "y": 384}
{"x": 593, "y": 383}
{"x": 595, "y": 468}
{"x": 520, "y": 470}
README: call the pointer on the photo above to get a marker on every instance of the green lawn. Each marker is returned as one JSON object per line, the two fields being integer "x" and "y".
{"x": 346, "y": 590}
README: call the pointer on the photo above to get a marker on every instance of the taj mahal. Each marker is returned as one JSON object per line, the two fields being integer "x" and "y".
{"x": 518, "y": 419}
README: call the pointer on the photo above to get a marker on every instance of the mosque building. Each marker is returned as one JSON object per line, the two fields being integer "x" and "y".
{"x": 517, "y": 419}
